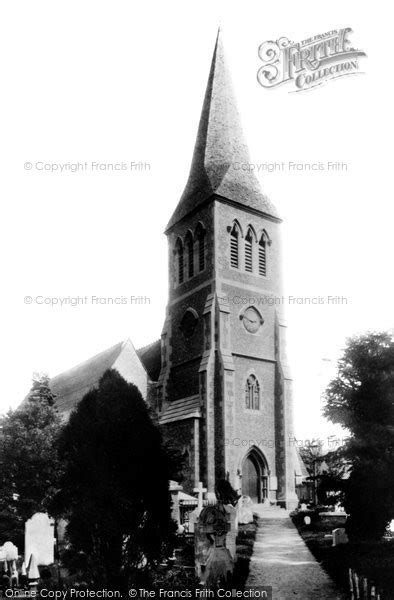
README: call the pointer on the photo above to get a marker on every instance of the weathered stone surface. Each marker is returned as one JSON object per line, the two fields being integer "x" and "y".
{"x": 212, "y": 557}
{"x": 39, "y": 539}
{"x": 245, "y": 510}
{"x": 219, "y": 148}
{"x": 339, "y": 536}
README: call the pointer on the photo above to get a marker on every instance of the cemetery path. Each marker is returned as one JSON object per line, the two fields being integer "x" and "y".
{"x": 282, "y": 560}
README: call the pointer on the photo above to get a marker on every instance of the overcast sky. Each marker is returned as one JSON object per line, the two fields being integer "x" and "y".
{"x": 124, "y": 81}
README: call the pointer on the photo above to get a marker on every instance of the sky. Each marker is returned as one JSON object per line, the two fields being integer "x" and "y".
{"x": 112, "y": 82}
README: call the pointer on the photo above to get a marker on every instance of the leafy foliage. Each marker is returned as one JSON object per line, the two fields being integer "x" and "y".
{"x": 361, "y": 399}
{"x": 29, "y": 469}
{"x": 114, "y": 491}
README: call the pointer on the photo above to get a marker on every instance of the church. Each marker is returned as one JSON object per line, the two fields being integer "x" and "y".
{"x": 218, "y": 378}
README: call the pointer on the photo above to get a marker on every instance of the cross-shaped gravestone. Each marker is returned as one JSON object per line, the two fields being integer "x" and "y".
{"x": 200, "y": 490}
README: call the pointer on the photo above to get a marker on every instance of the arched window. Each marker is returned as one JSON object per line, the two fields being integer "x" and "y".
{"x": 189, "y": 245}
{"x": 249, "y": 251}
{"x": 179, "y": 259}
{"x": 252, "y": 393}
{"x": 263, "y": 254}
{"x": 234, "y": 247}
{"x": 200, "y": 235}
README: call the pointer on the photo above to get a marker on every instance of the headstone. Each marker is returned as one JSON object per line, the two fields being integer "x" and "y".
{"x": 339, "y": 536}
{"x": 175, "y": 488}
{"x": 10, "y": 551}
{"x": 200, "y": 490}
{"x": 245, "y": 510}
{"x": 194, "y": 515}
{"x": 39, "y": 539}
{"x": 14, "y": 574}
{"x": 193, "y": 518}
{"x": 307, "y": 520}
{"x": 232, "y": 533}
{"x": 33, "y": 573}
{"x": 213, "y": 560}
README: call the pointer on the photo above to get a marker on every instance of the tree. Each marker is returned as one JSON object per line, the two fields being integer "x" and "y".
{"x": 361, "y": 399}
{"x": 29, "y": 469}
{"x": 326, "y": 470}
{"x": 114, "y": 490}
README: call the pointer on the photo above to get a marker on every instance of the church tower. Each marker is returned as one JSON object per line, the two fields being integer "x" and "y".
{"x": 224, "y": 392}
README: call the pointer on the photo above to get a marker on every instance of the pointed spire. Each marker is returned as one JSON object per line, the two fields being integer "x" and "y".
{"x": 220, "y": 150}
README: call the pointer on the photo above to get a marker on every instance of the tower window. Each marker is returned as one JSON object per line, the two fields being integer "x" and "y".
{"x": 179, "y": 260}
{"x": 249, "y": 252}
{"x": 263, "y": 254}
{"x": 190, "y": 254}
{"x": 200, "y": 234}
{"x": 252, "y": 393}
{"x": 262, "y": 259}
{"x": 234, "y": 247}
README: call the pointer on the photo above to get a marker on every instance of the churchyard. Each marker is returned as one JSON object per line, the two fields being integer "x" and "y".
{"x": 363, "y": 570}
{"x": 213, "y": 546}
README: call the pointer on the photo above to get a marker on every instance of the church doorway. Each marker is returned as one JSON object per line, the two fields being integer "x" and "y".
{"x": 255, "y": 477}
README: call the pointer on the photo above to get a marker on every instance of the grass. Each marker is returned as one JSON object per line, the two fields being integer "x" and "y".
{"x": 374, "y": 560}
{"x": 244, "y": 543}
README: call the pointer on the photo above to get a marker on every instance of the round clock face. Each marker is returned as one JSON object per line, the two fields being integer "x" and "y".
{"x": 252, "y": 320}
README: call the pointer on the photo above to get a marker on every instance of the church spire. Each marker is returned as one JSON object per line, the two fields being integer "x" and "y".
{"x": 220, "y": 150}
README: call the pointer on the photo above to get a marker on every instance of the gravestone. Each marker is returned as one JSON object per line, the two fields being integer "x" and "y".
{"x": 14, "y": 574}
{"x": 195, "y": 514}
{"x": 39, "y": 539}
{"x": 10, "y": 551}
{"x": 33, "y": 574}
{"x": 307, "y": 520}
{"x": 232, "y": 533}
{"x": 213, "y": 560}
{"x": 175, "y": 488}
{"x": 245, "y": 510}
{"x": 193, "y": 519}
{"x": 339, "y": 536}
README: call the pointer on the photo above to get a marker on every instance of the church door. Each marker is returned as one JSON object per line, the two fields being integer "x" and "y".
{"x": 251, "y": 479}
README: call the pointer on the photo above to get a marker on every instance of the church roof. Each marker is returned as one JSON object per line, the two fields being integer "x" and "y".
{"x": 71, "y": 386}
{"x": 219, "y": 150}
{"x": 178, "y": 410}
{"x": 150, "y": 357}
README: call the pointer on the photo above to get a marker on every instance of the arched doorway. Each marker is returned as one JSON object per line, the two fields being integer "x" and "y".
{"x": 255, "y": 477}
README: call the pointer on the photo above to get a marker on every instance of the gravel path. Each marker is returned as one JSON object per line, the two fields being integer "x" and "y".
{"x": 282, "y": 560}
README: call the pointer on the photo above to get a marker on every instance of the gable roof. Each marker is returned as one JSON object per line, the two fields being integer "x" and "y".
{"x": 219, "y": 148}
{"x": 150, "y": 357}
{"x": 138, "y": 366}
{"x": 72, "y": 385}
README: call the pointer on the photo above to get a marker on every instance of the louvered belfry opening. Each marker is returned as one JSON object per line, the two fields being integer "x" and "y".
{"x": 179, "y": 257}
{"x": 234, "y": 259}
{"x": 190, "y": 255}
{"x": 262, "y": 258}
{"x": 201, "y": 250}
{"x": 249, "y": 252}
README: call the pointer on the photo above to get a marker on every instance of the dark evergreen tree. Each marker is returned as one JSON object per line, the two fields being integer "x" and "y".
{"x": 114, "y": 491}
{"x": 361, "y": 399}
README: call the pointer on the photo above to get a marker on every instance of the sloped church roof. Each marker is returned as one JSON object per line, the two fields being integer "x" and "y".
{"x": 219, "y": 150}
{"x": 137, "y": 366}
